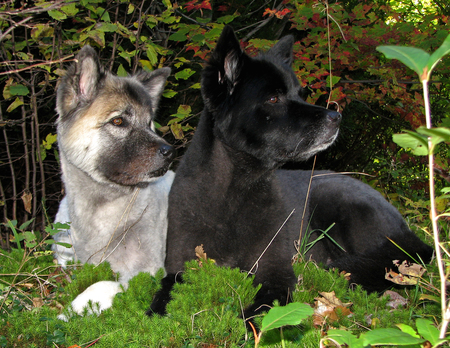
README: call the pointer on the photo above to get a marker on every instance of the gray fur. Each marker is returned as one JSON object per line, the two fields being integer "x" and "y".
{"x": 115, "y": 172}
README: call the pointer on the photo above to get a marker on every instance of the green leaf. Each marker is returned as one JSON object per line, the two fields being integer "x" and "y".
{"x": 416, "y": 142}
{"x": 169, "y": 93}
{"x": 408, "y": 329}
{"x": 18, "y": 90}
{"x": 167, "y": 3}
{"x": 427, "y": 330}
{"x": 438, "y": 54}
{"x": 414, "y": 58}
{"x": 334, "y": 79}
{"x": 389, "y": 337}
{"x": 121, "y": 71}
{"x": 291, "y": 314}
{"x": 345, "y": 337}
{"x": 184, "y": 74}
{"x": 70, "y": 9}
{"x": 26, "y": 224}
{"x": 57, "y": 14}
{"x": 179, "y": 37}
{"x": 152, "y": 55}
{"x": 437, "y": 135}
{"x": 12, "y": 225}
{"x": 29, "y": 236}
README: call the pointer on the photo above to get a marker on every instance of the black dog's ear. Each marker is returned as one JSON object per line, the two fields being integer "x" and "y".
{"x": 154, "y": 83}
{"x": 282, "y": 50}
{"x": 227, "y": 57}
{"x": 221, "y": 74}
{"x": 80, "y": 82}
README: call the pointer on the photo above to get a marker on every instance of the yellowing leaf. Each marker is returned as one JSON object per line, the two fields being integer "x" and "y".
{"x": 15, "y": 104}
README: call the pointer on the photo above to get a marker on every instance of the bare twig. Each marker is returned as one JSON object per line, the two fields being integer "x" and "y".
{"x": 270, "y": 243}
{"x": 15, "y": 71}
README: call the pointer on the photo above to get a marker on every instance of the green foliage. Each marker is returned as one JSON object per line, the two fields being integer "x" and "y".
{"x": 291, "y": 314}
{"x": 378, "y": 98}
{"x": 86, "y": 275}
{"x": 206, "y": 309}
{"x": 406, "y": 336}
{"x": 417, "y": 59}
{"x": 375, "y": 338}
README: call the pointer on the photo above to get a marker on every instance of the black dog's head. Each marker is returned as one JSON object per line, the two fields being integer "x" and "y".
{"x": 257, "y": 107}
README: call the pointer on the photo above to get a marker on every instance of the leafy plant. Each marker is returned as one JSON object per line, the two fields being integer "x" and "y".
{"x": 425, "y": 141}
{"x": 277, "y": 317}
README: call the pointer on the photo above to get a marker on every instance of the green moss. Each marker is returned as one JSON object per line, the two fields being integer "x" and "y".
{"x": 206, "y": 309}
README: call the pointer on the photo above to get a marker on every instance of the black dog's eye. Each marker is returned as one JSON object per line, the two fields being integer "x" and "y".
{"x": 273, "y": 100}
{"x": 118, "y": 121}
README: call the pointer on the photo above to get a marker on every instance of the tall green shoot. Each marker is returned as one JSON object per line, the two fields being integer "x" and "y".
{"x": 425, "y": 140}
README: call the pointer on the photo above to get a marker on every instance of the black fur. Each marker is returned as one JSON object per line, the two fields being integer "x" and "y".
{"x": 229, "y": 196}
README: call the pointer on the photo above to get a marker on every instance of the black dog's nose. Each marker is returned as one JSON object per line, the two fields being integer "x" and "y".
{"x": 334, "y": 116}
{"x": 166, "y": 150}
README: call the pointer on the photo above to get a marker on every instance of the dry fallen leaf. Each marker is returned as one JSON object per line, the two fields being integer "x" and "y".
{"x": 200, "y": 253}
{"x": 26, "y": 199}
{"x": 329, "y": 307}
{"x": 38, "y": 302}
{"x": 411, "y": 269}
{"x": 400, "y": 279}
{"x": 409, "y": 273}
{"x": 396, "y": 299}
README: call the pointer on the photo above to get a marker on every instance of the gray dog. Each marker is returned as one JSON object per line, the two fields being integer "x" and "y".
{"x": 115, "y": 172}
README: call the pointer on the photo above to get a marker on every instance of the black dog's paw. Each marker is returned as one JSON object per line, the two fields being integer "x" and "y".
{"x": 163, "y": 296}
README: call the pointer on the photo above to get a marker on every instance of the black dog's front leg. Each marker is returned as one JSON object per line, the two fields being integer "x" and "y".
{"x": 163, "y": 296}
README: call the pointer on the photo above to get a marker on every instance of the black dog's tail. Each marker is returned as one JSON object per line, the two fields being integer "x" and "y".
{"x": 369, "y": 269}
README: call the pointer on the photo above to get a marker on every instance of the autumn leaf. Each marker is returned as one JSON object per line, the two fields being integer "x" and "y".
{"x": 409, "y": 273}
{"x": 27, "y": 197}
{"x": 200, "y": 253}
{"x": 396, "y": 299}
{"x": 329, "y": 307}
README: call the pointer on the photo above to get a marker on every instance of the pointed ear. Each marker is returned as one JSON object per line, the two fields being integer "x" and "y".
{"x": 154, "y": 82}
{"x": 227, "y": 57}
{"x": 89, "y": 71}
{"x": 80, "y": 82}
{"x": 282, "y": 50}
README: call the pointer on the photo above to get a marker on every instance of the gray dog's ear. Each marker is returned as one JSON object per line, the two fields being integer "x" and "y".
{"x": 80, "y": 82}
{"x": 282, "y": 50}
{"x": 88, "y": 71}
{"x": 154, "y": 83}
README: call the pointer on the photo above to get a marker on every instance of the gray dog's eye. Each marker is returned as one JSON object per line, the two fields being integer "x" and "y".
{"x": 118, "y": 121}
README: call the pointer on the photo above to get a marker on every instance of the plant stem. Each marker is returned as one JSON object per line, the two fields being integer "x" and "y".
{"x": 437, "y": 244}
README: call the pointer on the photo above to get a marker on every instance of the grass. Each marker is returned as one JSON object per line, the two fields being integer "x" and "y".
{"x": 205, "y": 311}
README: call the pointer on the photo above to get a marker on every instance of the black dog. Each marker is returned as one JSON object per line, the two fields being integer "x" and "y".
{"x": 229, "y": 196}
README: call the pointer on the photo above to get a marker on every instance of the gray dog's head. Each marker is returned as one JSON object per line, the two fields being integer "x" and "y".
{"x": 105, "y": 122}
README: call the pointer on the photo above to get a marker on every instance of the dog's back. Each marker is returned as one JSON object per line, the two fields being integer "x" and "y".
{"x": 365, "y": 233}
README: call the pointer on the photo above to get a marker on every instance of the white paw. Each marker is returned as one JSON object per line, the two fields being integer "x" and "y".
{"x": 96, "y": 298}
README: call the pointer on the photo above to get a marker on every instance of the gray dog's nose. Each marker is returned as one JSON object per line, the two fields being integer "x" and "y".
{"x": 166, "y": 150}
